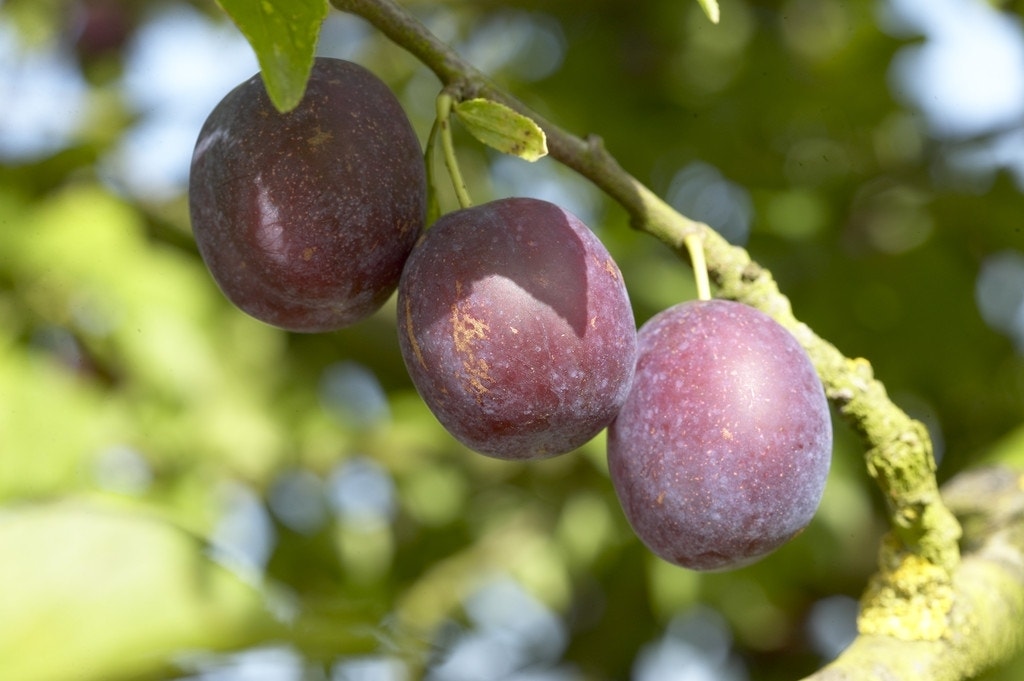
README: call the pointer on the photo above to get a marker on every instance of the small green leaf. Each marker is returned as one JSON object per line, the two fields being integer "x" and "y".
{"x": 501, "y": 128}
{"x": 283, "y": 34}
{"x": 710, "y": 8}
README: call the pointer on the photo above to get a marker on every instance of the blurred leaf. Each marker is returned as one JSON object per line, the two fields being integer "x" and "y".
{"x": 1009, "y": 450}
{"x": 95, "y": 593}
{"x": 37, "y": 458}
{"x": 284, "y": 34}
{"x": 710, "y": 8}
{"x": 501, "y": 128}
{"x": 196, "y": 384}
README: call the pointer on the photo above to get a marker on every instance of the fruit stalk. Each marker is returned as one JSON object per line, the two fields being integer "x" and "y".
{"x": 444, "y": 127}
{"x": 695, "y": 246}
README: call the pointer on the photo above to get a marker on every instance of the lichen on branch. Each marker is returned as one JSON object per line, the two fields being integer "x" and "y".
{"x": 985, "y": 625}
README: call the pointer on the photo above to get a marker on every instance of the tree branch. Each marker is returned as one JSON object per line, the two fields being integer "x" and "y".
{"x": 922, "y": 593}
{"x": 986, "y": 623}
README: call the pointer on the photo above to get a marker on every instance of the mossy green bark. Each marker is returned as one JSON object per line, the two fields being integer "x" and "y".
{"x": 985, "y": 625}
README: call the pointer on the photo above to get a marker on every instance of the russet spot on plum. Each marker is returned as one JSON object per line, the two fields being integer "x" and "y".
{"x": 516, "y": 328}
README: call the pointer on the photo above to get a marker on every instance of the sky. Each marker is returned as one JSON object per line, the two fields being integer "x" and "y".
{"x": 967, "y": 77}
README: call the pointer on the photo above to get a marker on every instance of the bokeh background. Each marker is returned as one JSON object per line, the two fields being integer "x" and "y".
{"x": 186, "y": 493}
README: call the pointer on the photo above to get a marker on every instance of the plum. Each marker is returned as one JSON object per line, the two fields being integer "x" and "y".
{"x": 516, "y": 328}
{"x": 305, "y": 218}
{"x": 721, "y": 451}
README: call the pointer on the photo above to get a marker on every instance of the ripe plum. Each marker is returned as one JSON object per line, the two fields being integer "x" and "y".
{"x": 305, "y": 218}
{"x": 721, "y": 451}
{"x": 516, "y": 328}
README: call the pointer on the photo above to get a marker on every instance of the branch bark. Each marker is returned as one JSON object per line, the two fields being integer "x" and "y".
{"x": 923, "y": 598}
{"x": 985, "y": 626}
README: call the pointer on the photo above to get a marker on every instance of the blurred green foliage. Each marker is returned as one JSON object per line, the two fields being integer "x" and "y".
{"x": 173, "y": 474}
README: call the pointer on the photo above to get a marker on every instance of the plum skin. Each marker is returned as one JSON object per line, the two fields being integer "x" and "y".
{"x": 721, "y": 452}
{"x": 305, "y": 219}
{"x": 516, "y": 328}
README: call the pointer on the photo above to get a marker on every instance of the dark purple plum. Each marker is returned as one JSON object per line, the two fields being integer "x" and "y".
{"x": 720, "y": 453}
{"x": 305, "y": 218}
{"x": 516, "y": 328}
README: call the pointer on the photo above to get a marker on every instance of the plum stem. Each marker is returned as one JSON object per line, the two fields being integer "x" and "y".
{"x": 695, "y": 246}
{"x": 444, "y": 125}
{"x": 433, "y": 206}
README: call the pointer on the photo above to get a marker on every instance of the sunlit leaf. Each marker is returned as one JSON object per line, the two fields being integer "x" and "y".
{"x": 710, "y": 8}
{"x": 501, "y": 128}
{"x": 37, "y": 458}
{"x": 97, "y": 593}
{"x": 283, "y": 33}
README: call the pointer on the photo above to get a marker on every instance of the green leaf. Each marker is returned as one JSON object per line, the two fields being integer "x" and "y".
{"x": 710, "y": 8}
{"x": 97, "y": 593}
{"x": 283, "y": 34}
{"x": 501, "y": 128}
